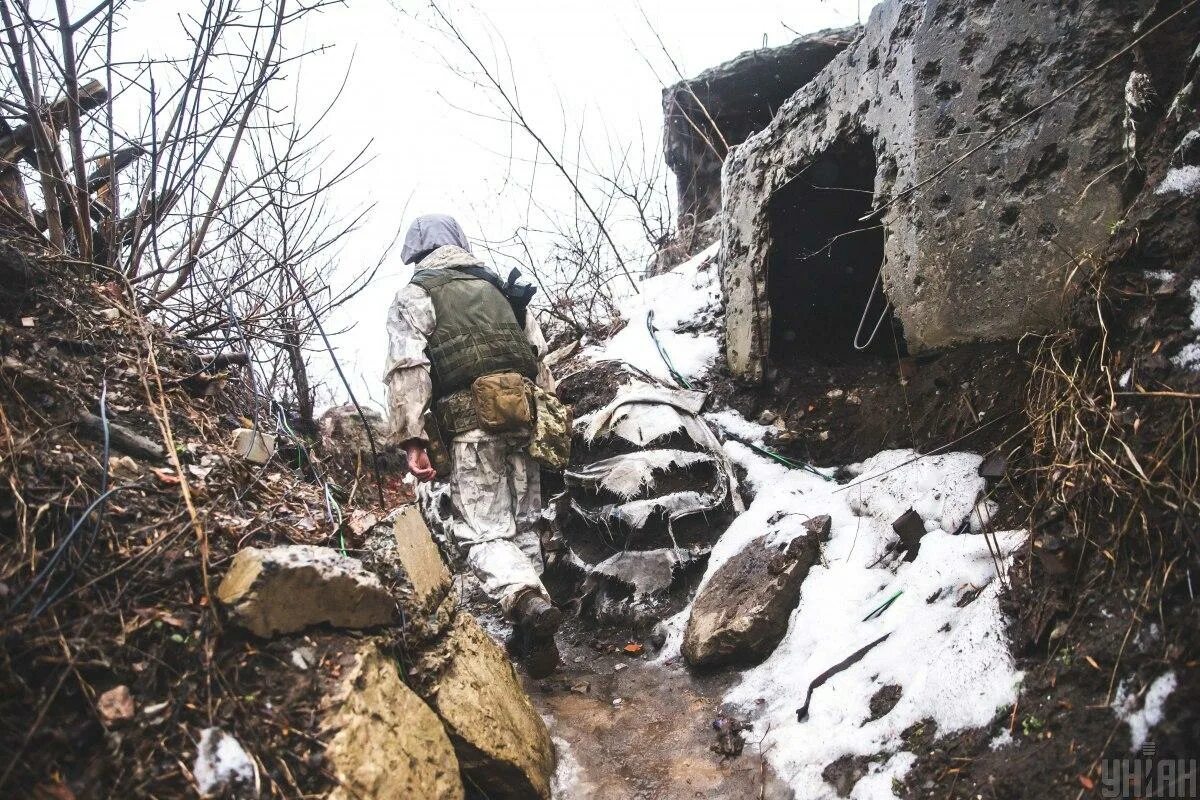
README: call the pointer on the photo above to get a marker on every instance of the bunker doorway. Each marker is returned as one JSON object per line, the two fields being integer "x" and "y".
{"x": 824, "y": 261}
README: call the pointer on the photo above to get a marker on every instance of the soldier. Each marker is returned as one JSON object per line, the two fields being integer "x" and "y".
{"x": 463, "y": 360}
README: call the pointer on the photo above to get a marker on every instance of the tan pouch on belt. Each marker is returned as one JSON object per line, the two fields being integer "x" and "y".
{"x": 502, "y": 403}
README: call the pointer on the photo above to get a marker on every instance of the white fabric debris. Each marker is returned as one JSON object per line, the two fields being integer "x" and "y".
{"x": 678, "y": 298}
{"x": 952, "y": 662}
{"x": 1184, "y": 180}
{"x": 659, "y": 411}
{"x": 646, "y": 571}
{"x": 630, "y": 475}
{"x": 222, "y": 764}
{"x": 1141, "y": 720}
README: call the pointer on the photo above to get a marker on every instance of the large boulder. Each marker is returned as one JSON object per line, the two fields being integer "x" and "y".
{"x": 386, "y": 742}
{"x": 502, "y": 744}
{"x": 742, "y": 612}
{"x": 290, "y": 587}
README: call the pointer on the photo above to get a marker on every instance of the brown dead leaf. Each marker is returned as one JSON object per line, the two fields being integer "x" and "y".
{"x": 116, "y": 704}
{"x": 633, "y": 648}
{"x": 53, "y": 791}
{"x": 167, "y": 476}
{"x": 362, "y": 521}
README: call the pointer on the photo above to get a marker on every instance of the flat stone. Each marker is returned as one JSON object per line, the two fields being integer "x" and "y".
{"x": 288, "y": 588}
{"x": 419, "y": 557}
{"x": 502, "y": 743}
{"x": 742, "y": 612}
{"x": 386, "y": 742}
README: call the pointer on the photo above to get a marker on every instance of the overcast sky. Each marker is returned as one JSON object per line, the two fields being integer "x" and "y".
{"x": 589, "y": 75}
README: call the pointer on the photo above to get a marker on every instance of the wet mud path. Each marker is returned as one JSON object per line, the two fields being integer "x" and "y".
{"x": 629, "y": 729}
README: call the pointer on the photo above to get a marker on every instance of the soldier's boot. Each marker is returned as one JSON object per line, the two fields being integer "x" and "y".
{"x": 535, "y": 621}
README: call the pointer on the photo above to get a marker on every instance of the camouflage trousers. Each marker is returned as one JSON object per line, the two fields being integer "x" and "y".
{"x": 495, "y": 488}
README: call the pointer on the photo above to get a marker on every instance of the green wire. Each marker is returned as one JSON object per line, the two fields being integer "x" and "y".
{"x": 662, "y": 352}
{"x": 787, "y": 462}
{"x": 883, "y": 607}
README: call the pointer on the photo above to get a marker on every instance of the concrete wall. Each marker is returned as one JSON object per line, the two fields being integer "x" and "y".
{"x": 989, "y": 204}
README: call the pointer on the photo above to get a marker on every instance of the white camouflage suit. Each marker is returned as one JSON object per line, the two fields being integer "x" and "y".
{"x": 495, "y": 486}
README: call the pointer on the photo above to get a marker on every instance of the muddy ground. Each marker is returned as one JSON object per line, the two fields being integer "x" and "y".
{"x": 628, "y": 728}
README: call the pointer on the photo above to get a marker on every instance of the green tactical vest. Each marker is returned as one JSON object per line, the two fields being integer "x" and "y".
{"x": 476, "y": 332}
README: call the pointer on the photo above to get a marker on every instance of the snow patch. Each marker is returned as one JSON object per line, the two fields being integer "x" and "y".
{"x": 222, "y": 764}
{"x": 877, "y": 783}
{"x": 734, "y": 424}
{"x": 568, "y": 781}
{"x": 678, "y": 298}
{"x": 1189, "y": 356}
{"x": 1002, "y": 740}
{"x": 945, "y": 647}
{"x": 1184, "y": 180}
{"x": 1140, "y": 721}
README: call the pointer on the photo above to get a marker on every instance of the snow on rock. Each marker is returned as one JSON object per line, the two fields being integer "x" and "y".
{"x": 679, "y": 299}
{"x": 1184, "y": 180}
{"x": 1141, "y": 720}
{"x": 1189, "y": 356}
{"x": 223, "y": 766}
{"x": 943, "y": 489}
{"x": 946, "y": 647}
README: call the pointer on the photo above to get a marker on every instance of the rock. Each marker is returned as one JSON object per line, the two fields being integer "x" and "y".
{"x": 910, "y": 527}
{"x": 386, "y": 742}
{"x": 288, "y": 588}
{"x": 502, "y": 743}
{"x": 116, "y": 704}
{"x": 401, "y": 551}
{"x": 965, "y": 233}
{"x": 223, "y": 769}
{"x": 419, "y": 557}
{"x": 742, "y": 612}
{"x": 254, "y": 446}
{"x": 344, "y": 437}
{"x": 730, "y": 739}
{"x": 884, "y": 700}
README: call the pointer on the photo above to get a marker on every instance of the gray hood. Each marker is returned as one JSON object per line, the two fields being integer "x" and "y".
{"x": 429, "y": 232}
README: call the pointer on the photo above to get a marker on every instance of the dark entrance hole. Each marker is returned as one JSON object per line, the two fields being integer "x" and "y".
{"x": 824, "y": 260}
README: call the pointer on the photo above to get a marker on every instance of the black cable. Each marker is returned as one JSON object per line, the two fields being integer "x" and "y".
{"x": 65, "y": 543}
{"x": 337, "y": 365}
{"x": 48, "y": 600}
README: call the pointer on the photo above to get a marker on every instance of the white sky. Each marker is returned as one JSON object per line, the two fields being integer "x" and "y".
{"x": 589, "y": 74}
{"x": 579, "y": 65}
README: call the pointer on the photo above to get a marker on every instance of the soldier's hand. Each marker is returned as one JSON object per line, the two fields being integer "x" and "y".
{"x": 418, "y": 461}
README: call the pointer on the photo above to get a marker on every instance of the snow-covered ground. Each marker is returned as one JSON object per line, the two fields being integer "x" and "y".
{"x": 952, "y": 660}
{"x": 687, "y": 295}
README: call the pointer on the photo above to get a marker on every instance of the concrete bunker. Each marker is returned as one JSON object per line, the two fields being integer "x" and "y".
{"x": 825, "y": 259}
